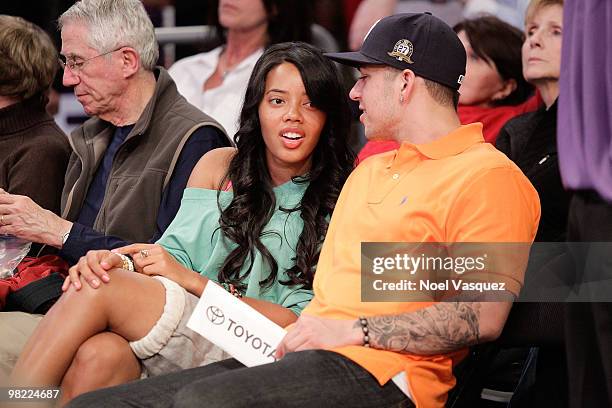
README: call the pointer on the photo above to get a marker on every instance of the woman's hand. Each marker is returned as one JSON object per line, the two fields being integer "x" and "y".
{"x": 93, "y": 267}
{"x": 153, "y": 259}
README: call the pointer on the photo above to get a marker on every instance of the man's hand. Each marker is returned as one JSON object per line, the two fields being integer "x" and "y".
{"x": 153, "y": 259}
{"x": 437, "y": 329}
{"x": 93, "y": 267}
{"x": 23, "y": 218}
{"x": 310, "y": 332}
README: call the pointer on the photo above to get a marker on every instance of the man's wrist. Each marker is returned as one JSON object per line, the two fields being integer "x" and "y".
{"x": 356, "y": 333}
{"x": 61, "y": 234}
{"x": 363, "y": 323}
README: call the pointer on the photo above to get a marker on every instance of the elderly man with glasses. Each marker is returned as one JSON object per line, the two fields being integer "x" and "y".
{"x": 131, "y": 160}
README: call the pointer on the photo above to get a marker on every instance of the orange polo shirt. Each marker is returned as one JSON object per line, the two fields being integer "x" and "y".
{"x": 455, "y": 189}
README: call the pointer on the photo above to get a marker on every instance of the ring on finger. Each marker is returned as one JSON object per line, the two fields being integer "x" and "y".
{"x": 144, "y": 253}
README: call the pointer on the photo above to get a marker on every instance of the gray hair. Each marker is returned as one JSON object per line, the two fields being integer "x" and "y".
{"x": 116, "y": 23}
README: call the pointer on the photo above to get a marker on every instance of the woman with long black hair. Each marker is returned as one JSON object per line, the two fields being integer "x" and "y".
{"x": 252, "y": 219}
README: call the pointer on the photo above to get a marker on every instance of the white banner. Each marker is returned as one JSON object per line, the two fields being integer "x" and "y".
{"x": 237, "y": 328}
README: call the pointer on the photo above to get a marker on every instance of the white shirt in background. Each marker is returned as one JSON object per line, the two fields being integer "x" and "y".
{"x": 224, "y": 102}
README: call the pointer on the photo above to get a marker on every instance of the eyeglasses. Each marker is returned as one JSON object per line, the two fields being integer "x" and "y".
{"x": 76, "y": 66}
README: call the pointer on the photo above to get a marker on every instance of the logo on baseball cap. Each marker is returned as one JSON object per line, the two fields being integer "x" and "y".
{"x": 402, "y": 50}
{"x": 416, "y": 41}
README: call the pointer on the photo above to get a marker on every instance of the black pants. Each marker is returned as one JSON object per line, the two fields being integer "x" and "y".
{"x": 313, "y": 379}
{"x": 588, "y": 325}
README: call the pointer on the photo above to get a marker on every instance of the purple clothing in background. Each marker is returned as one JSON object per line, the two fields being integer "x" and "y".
{"x": 585, "y": 99}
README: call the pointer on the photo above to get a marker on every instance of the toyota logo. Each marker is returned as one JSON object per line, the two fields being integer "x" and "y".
{"x": 215, "y": 315}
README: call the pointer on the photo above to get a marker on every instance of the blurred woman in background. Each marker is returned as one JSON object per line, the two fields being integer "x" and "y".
{"x": 494, "y": 89}
{"x": 530, "y": 140}
{"x": 215, "y": 81}
{"x": 34, "y": 151}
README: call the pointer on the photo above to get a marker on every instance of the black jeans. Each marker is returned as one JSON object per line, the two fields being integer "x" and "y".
{"x": 313, "y": 378}
{"x": 588, "y": 326}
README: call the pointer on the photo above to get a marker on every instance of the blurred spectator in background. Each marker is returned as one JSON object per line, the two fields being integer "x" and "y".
{"x": 511, "y": 11}
{"x": 44, "y": 14}
{"x": 585, "y": 126}
{"x": 215, "y": 81}
{"x": 530, "y": 140}
{"x": 370, "y": 11}
{"x": 34, "y": 150}
{"x": 494, "y": 89}
{"x": 451, "y": 11}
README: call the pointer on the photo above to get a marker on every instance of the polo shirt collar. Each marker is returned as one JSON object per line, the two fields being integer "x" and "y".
{"x": 457, "y": 141}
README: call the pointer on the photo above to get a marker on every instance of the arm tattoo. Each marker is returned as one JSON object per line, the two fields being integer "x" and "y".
{"x": 440, "y": 328}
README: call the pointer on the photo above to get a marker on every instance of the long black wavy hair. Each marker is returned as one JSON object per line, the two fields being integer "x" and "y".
{"x": 253, "y": 203}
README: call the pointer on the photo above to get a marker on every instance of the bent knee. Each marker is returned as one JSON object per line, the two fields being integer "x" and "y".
{"x": 119, "y": 279}
{"x": 103, "y": 352}
{"x": 102, "y": 361}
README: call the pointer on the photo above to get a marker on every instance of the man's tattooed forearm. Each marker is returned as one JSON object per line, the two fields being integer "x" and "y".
{"x": 440, "y": 328}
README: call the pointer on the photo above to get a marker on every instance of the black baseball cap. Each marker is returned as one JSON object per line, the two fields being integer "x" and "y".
{"x": 417, "y": 41}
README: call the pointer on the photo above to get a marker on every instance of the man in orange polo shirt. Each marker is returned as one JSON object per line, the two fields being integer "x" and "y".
{"x": 443, "y": 185}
